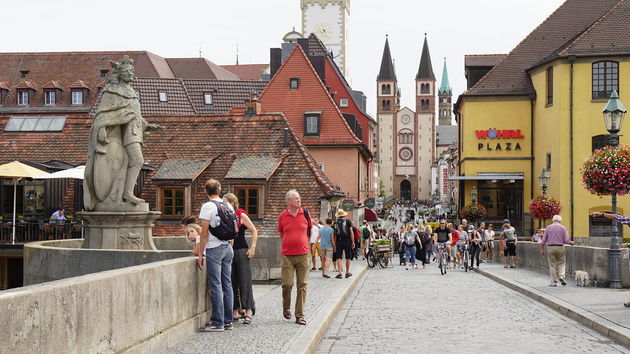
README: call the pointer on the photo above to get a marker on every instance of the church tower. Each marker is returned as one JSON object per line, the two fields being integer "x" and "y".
{"x": 328, "y": 20}
{"x": 386, "y": 108}
{"x": 445, "y": 106}
{"x": 425, "y": 114}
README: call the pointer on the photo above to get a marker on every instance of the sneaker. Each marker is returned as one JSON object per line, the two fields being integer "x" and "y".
{"x": 210, "y": 328}
{"x": 406, "y": 268}
{"x": 228, "y": 326}
{"x": 415, "y": 266}
{"x": 562, "y": 281}
{"x": 553, "y": 284}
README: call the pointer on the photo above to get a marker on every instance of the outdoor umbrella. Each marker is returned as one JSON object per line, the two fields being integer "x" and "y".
{"x": 76, "y": 173}
{"x": 17, "y": 170}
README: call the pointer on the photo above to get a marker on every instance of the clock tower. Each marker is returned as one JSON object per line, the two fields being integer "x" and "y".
{"x": 328, "y": 20}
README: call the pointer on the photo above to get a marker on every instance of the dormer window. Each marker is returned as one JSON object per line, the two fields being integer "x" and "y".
{"x": 77, "y": 96}
{"x": 294, "y": 83}
{"x": 3, "y": 96}
{"x": 104, "y": 72}
{"x": 343, "y": 102}
{"x": 207, "y": 98}
{"x": 24, "y": 73}
{"x": 162, "y": 96}
{"x": 23, "y": 97}
{"x": 312, "y": 124}
{"x": 50, "y": 97}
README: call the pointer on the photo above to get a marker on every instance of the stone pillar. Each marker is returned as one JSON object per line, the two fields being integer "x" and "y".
{"x": 129, "y": 230}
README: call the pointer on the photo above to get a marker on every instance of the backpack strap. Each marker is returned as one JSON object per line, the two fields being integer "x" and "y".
{"x": 308, "y": 222}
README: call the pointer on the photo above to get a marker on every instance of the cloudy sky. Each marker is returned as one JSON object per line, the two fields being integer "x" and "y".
{"x": 182, "y": 28}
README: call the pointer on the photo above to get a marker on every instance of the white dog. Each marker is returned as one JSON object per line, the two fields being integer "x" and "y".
{"x": 581, "y": 278}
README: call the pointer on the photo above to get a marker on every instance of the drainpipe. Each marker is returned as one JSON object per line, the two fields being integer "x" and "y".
{"x": 532, "y": 97}
{"x": 571, "y": 61}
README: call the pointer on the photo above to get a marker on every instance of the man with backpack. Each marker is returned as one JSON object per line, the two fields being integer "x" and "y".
{"x": 218, "y": 225}
{"x": 343, "y": 242}
{"x": 294, "y": 227}
{"x": 366, "y": 235}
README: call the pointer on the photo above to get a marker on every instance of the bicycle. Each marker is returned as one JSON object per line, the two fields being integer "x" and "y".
{"x": 443, "y": 257}
{"x": 466, "y": 256}
{"x": 380, "y": 254}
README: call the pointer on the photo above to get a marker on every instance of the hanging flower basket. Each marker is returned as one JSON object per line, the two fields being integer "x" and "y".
{"x": 607, "y": 170}
{"x": 544, "y": 207}
{"x": 474, "y": 212}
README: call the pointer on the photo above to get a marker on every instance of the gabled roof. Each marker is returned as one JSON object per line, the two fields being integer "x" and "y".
{"x": 311, "y": 95}
{"x": 482, "y": 60}
{"x": 425, "y": 69}
{"x": 52, "y": 84}
{"x": 255, "y": 167}
{"x": 4, "y": 85}
{"x": 607, "y": 36}
{"x": 198, "y": 68}
{"x": 186, "y": 97}
{"x": 387, "y": 66}
{"x": 80, "y": 84}
{"x": 26, "y": 84}
{"x": 181, "y": 169}
{"x": 562, "y": 27}
{"x": 247, "y": 71}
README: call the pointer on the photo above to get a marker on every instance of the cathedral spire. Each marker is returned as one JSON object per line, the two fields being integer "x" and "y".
{"x": 445, "y": 88}
{"x": 425, "y": 70}
{"x": 387, "y": 67}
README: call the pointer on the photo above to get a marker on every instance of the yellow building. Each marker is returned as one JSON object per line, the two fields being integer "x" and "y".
{"x": 540, "y": 107}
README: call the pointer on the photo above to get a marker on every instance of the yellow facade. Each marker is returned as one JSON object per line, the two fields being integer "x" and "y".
{"x": 562, "y": 129}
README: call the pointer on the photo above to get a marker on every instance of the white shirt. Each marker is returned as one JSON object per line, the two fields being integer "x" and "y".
{"x": 210, "y": 212}
{"x": 314, "y": 233}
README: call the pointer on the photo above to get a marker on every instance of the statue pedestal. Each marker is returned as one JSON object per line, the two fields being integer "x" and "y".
{"x": 129, "y": 230}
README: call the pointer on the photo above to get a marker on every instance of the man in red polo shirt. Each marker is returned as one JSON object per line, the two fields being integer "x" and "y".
{"x": 294, "y": 227}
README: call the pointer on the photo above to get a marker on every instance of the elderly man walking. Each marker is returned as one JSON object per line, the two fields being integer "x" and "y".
{"x": 555, "y": 238}
{"x": 294, "y": 227}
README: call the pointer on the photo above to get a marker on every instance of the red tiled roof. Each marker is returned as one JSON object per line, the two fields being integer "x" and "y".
{"x": 571, "y": 19}
{"x": 4, "y": 85}
{"x": 52, "y": 84}
{"x": 311, "y": 95}
{"x": 80, "y": 84}
{"x": 609, "y": 35}
{"x": 198, "y": 68}
{"x": 225, "y": 94}
{"x": 219, "y": 139}
{"x": 26, "y": 84}
{"x": 483, "y": 59}
{"x": 247, "y": 71}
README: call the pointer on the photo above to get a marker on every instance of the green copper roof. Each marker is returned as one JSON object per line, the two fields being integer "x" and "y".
{"x": 614, "y": 104}
{"x": 446, "y": 87}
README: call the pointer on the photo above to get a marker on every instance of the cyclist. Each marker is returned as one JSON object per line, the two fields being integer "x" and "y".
{"x": 443, "y": 238}
{"x": 464, "y": 238}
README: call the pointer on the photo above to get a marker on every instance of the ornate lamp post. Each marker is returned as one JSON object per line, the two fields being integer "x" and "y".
{"x": 543, "y": 179}
{"x": 473, "y": 195}
{"x": 614, "y": 113}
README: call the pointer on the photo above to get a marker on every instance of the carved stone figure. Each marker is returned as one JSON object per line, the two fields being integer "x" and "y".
{"x": 115, "y": 144}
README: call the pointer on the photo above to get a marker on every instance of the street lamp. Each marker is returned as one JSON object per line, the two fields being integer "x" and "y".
{"x": 613, "y": 118}
{"x": 543, "y": 179}
{"x": 474, "y": 194}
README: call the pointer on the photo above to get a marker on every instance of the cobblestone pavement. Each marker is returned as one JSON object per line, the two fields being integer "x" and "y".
{"x": 269, "y": 332}
{"x": 422, "y": 311}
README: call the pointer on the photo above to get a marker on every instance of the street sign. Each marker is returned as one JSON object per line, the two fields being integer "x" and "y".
{"x": 370, "y": 203}
{"x": 347, "y": 205}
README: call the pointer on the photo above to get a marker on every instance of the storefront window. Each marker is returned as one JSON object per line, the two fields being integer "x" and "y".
{"x": 29, "y": 199}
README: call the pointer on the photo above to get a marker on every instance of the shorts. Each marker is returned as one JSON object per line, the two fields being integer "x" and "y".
{"x": 510, "y": 249}
{"x": 490, "y": 244}
{"x": 315, "y": 249}
{"x": 344, "y": 249}
{"x": 460, "y": 248}
{"x": 327, "y": 252}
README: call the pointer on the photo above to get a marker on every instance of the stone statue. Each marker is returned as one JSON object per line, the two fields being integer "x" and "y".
{"x": 115, "y": 144}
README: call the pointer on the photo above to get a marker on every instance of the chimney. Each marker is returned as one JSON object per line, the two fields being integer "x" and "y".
{"x": 253, "y": 107}
{"x": 275, "y": 61}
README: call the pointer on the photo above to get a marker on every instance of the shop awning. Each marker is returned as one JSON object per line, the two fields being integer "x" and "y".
{"x": 488, "y": 176}
{"x": 370, "y": 215}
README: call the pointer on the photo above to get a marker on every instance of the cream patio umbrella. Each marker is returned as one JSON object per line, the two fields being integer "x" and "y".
{"x": 17, "y": 170}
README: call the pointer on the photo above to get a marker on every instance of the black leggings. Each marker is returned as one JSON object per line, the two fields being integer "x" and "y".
{"x": 474, "y": 254}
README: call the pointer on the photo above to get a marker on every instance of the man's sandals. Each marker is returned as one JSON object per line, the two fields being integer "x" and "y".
{"x": 300, "y": 321}
{"x": 287, "y": 314}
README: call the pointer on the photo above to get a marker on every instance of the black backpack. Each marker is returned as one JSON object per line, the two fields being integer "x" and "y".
{"x": 228, "y": 225}
{"x": 366, "y": 233}
{"x": 341, "y": 229}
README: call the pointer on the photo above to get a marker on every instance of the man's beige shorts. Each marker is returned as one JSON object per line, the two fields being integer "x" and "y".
{"x": 327, "y": 252}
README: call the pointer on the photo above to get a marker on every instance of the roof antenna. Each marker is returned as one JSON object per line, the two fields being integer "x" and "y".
{"x": 236, "y": 53}
{"x": 200, "y": 51}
